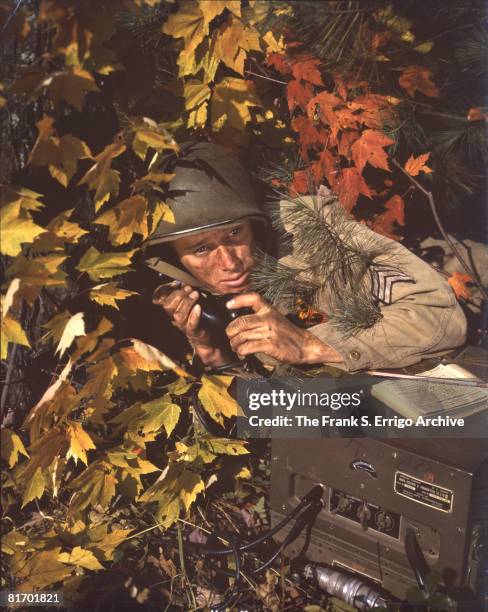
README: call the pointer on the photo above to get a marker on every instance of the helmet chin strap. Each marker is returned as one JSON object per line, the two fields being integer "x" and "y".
{"x": 172, "y": 271}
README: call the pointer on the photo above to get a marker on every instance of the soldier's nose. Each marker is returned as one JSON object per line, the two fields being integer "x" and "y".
{"x": 227, "y": 259}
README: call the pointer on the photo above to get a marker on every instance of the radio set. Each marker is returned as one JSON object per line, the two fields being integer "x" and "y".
{"x": 393, "y": 510}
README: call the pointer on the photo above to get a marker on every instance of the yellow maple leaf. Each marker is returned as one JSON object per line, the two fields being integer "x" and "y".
{"x": 153, "y": 355}
{"x": 158, "y": 413}
{"x": 127, "y": 218}
{"x": 11, "y": 446}
{"x": 189, "y": 23}
{"x": 16, "y": 228}
{"x": 61, "y": 155}
{"x": 34, "y": 488}
{"x": 63, "y": 328}
{"x": 79, "y": 442}
{"x": 58, "y": 231}
{"x": 104, "y": 265}
{"x": 74, "y": 327}
{"x": 95, "y": 485}
{"x": 99, "y": 379}
{"x": 215, "y": 398}
{"x": 101, "y": 177}
{"x": 8, "y": 299}
{"x": 69, "y": 86}
{"x": 161, "y": 212}
{"x": 105, "y": 544}
{"x": 214, "y": 8}
{"x": 11, "y": 332}
{"x": 86, "y": 344}
{"x": 40, "y": 570}
{"x": 80, "y": 557}
{"x": 36, "y": 273}
{"x": 235, "y": 41}
{"x": 107, "y": 294}
{"x": 148, "y": 134}
{"x": 230, "y": 104}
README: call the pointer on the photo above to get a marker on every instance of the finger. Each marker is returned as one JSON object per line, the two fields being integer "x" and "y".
{"x": 253, "y": 334}
{"x": 251, "y": 300}
{"x": 172, "y": 302}
{"x": 183, "y": 310}
{"x": 254, "y": 346}
{"x": 194, "y": 319}
{"x": 243, "y": 323}
{"x": 163, "y": 291}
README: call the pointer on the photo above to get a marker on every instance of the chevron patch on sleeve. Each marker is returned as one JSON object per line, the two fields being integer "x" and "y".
{"x": 383, "y": 280}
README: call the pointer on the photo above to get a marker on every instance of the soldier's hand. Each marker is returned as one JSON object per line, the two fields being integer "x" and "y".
{"x": 179, "y": 302}
{"x": 268, "y": 331}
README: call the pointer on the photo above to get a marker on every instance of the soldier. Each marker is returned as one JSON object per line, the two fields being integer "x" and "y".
{"x": 213, "y": 242}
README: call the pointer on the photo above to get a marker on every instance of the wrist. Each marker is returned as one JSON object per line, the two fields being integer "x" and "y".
{"x": 317, "y": 351}
{"x": 210, "y": 355}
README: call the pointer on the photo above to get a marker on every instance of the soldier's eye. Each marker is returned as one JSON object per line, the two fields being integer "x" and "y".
{"x": 202, "y": 250}
{"x": 235, "y": 231}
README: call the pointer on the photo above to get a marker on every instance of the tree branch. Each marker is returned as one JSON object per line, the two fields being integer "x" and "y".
{"x": 445, "y": 235}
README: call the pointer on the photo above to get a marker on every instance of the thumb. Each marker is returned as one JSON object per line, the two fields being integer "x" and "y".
{"x": 249, "y": 300}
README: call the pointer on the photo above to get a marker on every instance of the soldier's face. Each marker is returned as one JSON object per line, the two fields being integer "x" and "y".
{"x": 221, "y": 259}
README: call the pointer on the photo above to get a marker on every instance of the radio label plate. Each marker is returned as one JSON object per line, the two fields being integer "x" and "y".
{"x": 423, "y": 492}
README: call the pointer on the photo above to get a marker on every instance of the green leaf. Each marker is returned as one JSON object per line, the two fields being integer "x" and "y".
{"x": 104, "y": 265}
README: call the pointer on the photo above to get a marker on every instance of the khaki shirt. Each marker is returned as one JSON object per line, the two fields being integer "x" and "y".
{"x": 421, "y": 317}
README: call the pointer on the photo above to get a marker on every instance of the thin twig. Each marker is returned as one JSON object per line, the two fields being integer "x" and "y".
{"x": 10, "y": 369}
{"x": 445, "y": 235}
{"x": 265, "y": 77}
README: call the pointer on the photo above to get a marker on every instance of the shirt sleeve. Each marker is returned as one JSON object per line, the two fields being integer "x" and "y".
{"x": 420, "y": 318}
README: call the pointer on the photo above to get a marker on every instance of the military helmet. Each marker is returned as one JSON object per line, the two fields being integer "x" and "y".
{"x": 210, "y": 189}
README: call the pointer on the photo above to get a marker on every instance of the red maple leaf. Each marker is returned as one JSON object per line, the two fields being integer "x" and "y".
{"x": 298, "y": 94}
{"x": 322, "y": 105}
{"x": 348, "y": 185}
{"x": 305, "y": 68}
{"x": 280, "y": 62}
{"x": 325, "y": 167}
{"x": 347, "y": 139}
{"x": 385, "y": 223}
{"x": 301, "y": 182}
{"x": 373, "y": 109}
{"x": 369, "y": 148}
{"x": 418, "y": 78}
{"x": 309, "y": 135}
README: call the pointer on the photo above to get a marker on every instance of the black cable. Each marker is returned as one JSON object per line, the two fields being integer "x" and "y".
{"x": 305, "y": 520}
{"x": 312, "y": 496}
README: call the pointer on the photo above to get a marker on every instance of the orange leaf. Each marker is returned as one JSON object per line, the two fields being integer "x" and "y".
{"x": 308, "y": 134}
{"x": 348, "y": 185}
{"x": 477, "y": 114}
{"x": 325, "y": 167}
{"x": 347, "y": 139}
{"x": 304, "y": 68}
{"x": 415, "y": 165}
{"x": 418, "y": 78}
{"x": 280, "y": 62}
{"x": 394, "y": 214}
{"x": 323, "y": 105}
{"x": 301, "y": 182}
{"x": 458, "y": 283}
{"x": 298, "y": 94}
{"x": 369, "y": 148}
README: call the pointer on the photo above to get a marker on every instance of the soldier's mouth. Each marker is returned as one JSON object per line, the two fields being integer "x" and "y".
{"x": 237, "y": 281}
